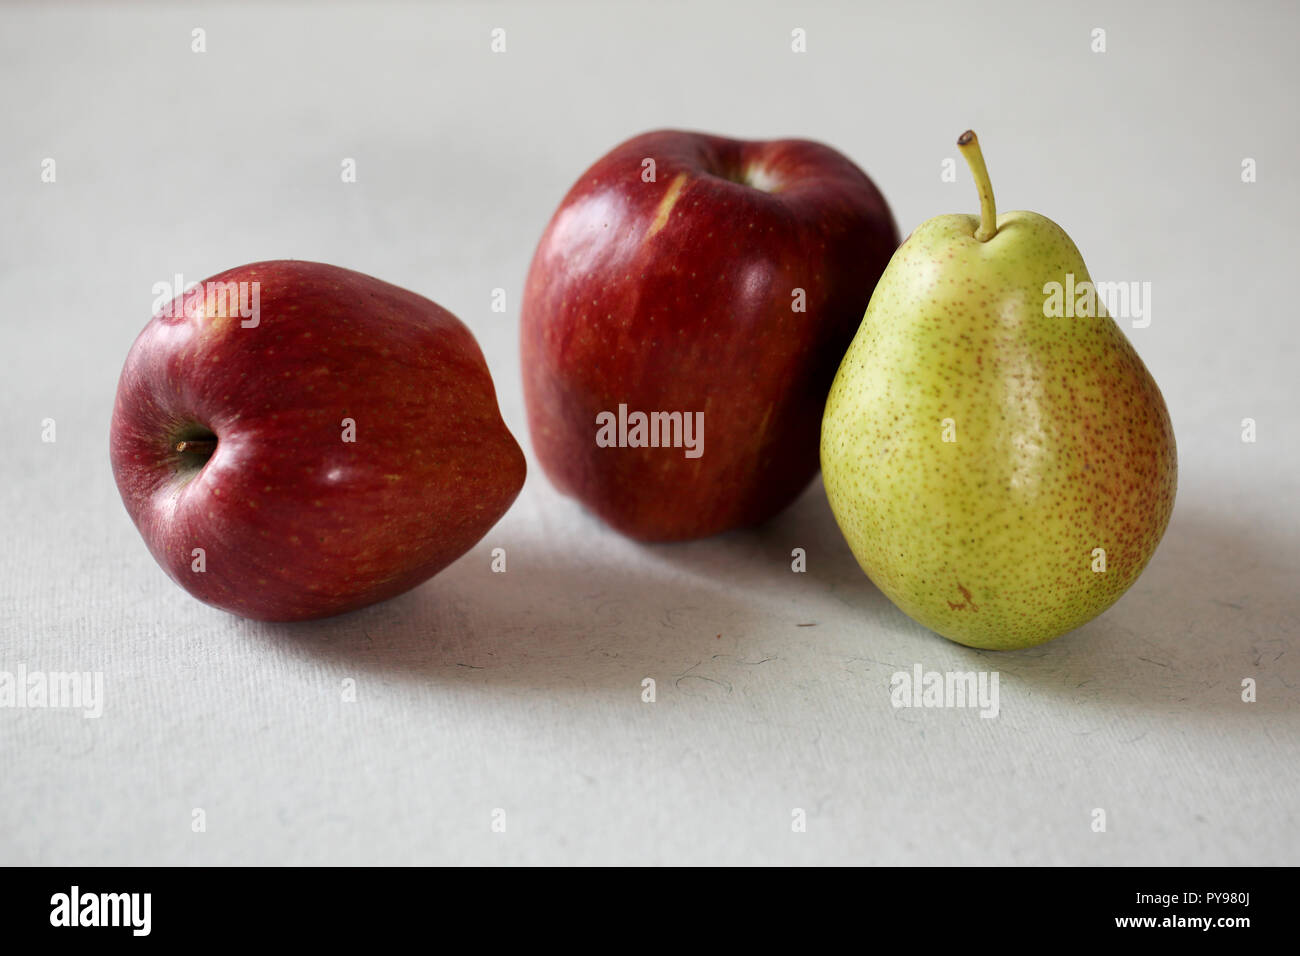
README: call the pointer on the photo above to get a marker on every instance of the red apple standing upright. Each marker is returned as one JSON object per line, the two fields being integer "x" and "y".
{"x": 294, "y": 440}
{"x": 717, "y": 279}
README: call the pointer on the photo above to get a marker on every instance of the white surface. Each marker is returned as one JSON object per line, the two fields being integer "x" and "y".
{"x": 522, "y": 691}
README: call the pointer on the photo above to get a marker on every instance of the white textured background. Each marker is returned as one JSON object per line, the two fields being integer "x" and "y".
{"x": 522, "y": 691}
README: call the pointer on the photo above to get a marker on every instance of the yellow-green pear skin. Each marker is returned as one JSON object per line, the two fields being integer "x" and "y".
{"x": 985, "y": 461}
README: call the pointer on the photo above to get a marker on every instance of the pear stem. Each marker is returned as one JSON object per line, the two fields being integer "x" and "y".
{"x": 969, "y": 145}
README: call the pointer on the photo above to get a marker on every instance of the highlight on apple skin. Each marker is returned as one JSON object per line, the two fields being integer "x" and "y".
{"x": 715, "y": 280}
{"x": 333, "y": 446}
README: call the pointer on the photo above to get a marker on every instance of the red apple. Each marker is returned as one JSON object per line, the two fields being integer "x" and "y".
{"x": 331, "y": 444}
{"x": 670, "y": 280}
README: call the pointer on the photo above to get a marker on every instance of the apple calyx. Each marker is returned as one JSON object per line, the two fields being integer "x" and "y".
{"x": 969, "y": 145}
{"x": 194, "y": 446}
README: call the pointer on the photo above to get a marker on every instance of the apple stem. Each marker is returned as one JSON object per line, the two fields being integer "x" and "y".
{"x": 969, "y": 145}
{"x": 203, "y": 446}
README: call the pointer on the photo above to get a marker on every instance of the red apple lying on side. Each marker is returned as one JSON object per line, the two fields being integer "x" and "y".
{"x": 295, "y": 440}
{"x": 685, "y": 313}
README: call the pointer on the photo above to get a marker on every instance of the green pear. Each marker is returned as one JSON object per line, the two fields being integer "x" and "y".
{"x": 1003, "y": 473}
